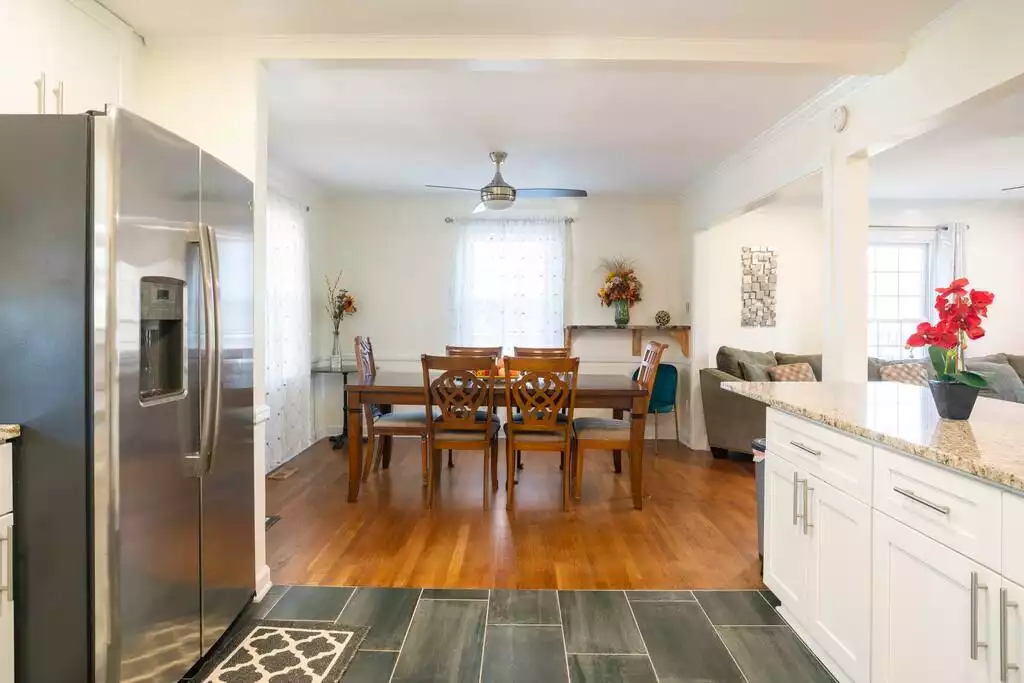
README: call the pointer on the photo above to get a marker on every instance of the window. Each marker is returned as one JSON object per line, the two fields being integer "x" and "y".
{"x": 899, "y": 296}
{"x": 510, "y": 283}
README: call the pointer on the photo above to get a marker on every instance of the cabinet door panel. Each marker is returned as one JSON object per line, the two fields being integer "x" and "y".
{"x": 785, "y": 545}
{"x": 839, "y": 595}
{"x": 921, "y": 616}
{"x": 28, "y": 31}
{"x": 6, "y": 604}
{"x": 1011, "y": 633}
{"x": 90, "y": 62}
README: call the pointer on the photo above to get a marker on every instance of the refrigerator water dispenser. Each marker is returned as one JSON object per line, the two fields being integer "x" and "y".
{"x": 161, "y": 339}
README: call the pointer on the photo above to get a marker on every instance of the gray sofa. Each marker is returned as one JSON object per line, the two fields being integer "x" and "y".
{"x": 732, "y": 421}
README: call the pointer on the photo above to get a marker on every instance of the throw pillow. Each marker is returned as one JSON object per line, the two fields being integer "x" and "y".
{"x": 792, "y": 372}
{"x": 875, "y": 366}
{"x": 905, "y": 373}
{"x": 728, "y": 359}
{"x": 1003, "y": 381}
{"x": 814, "y": 360}
{"x": 752, "y": 372}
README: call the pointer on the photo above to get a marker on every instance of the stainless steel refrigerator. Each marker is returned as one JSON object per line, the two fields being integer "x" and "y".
{"x": 126, "y": 338}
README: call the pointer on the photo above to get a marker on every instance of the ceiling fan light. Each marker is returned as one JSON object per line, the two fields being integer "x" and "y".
{"x": 498, "y": 197}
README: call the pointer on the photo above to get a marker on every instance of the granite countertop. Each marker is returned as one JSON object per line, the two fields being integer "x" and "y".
{"x": 8, "y": 432}
{"x": 902, "y": 417}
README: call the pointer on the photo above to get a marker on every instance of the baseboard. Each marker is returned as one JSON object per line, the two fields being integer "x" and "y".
{"x": 263, "y": 583}
{"x": 813, "y": 646}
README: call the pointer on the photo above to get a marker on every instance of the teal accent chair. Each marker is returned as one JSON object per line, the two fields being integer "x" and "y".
{"x": 663, "y": 396}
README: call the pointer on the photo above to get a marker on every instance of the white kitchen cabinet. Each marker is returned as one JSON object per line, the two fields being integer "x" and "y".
{"x": 6, "y": 599}
{"x": 90, "y": 63}
{"x": 785, "y": 544}
{"x": 935, "y": 611}
{"x": 1011, "y": 632}
{"x": 29, "y": 32}
{"x": 837, "y": 608}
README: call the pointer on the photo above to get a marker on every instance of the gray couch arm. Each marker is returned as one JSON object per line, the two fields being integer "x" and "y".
{"x": 732, "y": 420}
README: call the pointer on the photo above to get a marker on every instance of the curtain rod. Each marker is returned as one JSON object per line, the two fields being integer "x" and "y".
{"x": 468, "y": 219}
{"x": 912, "y": 227}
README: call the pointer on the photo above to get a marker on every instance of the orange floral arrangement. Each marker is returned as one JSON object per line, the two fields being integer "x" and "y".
{"x": 339, "y": 302}
{"x": 620, "y": 283}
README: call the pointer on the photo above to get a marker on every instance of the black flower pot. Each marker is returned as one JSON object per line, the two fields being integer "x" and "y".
{"x": 953, "y": 400}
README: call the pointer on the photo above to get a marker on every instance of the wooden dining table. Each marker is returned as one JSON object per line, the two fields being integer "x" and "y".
{"x": 618, "y": 393}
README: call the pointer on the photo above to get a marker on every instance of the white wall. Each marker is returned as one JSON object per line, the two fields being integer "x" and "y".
{"x": 992, "y": 256}
{"x": 397, "y": 255}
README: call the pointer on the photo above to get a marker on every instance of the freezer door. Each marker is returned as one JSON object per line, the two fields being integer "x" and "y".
{"x": 154, "y": 591}
{"x": 229, "y": 527}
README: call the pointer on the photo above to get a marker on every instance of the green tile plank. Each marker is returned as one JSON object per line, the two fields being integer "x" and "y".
{"x": 773, "y": 655}
{"x": 445, "y": 643}
{"x": 683, "y": 645}
{"x": 524, "y": 654}
{"x": 523, "y": 607}
{"x": 738, "y": 608}
{"x": 313, "y": 603}
{"x": 370, "y": 666}
{"x": 387, "y": 611}
{"x": 599, "y": 622}
{"x": 611, "y": 669}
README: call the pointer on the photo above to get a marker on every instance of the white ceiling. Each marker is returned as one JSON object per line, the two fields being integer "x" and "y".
{"x": 972, "y": 157}
{"x": 603, "y": 131}
{"x": 794, "y": 19}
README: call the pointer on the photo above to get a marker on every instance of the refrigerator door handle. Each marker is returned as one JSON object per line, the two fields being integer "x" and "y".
{"x": 210, "y": 352}
{"x": 218, "y": 356}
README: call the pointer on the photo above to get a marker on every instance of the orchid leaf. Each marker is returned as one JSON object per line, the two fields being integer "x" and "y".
{"x": 938, "y": 357}
{"x": 972, "y": 379}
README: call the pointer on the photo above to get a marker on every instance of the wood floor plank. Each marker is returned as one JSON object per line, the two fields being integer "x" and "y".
{"x": 460, "y": 625}
{"x": 773, "y": 655}
{"x": 683, "y": 644}
{"x": 697, "y": 528}
{"x": 387, "y": 611}
{"x": 524, "y": 654}
{"x": 523, "y": 607}
{"x": 598, "y": 622}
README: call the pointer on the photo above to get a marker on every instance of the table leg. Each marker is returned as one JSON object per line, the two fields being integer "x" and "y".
{"x": 636, "y": 451}
{"x": 617, "y": 455}
{"x": 386, "y": 443}
{"x": 338, "y": 441}
{"x": 355, "y": 450}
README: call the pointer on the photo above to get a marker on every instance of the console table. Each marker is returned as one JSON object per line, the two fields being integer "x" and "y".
{"x": 681, "y": 333}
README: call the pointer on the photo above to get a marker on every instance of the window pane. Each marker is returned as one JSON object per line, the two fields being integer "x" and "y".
{"x": 911, "y": 308}
{"x": 887, "y": 307}
{"x": 911, "y": 283}
{"x": 887, "y": 258}
{"x": 912, "y": 258}
{"x": 873, "y": 333}
{"x": 889, "y": 334}
{"x": 887, "y": 283}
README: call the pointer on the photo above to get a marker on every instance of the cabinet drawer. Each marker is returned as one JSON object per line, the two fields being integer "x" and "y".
{"x": 1013, "y": 533}
{"x": 951, "y": 508}
{"x": 835, "y": 458}
{"x": 6, "y": 478}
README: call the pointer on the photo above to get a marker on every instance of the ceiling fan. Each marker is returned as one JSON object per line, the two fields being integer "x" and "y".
{"x": 1018, "y": 187}
{"x": 498, "y": 195}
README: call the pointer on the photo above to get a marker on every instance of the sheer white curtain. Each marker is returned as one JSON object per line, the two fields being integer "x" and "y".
{"x": 509, "y": 284}
{"x": 289, "y": 429}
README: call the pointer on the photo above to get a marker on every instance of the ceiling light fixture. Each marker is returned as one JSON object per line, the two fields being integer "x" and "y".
{"x": 497, "y": 195}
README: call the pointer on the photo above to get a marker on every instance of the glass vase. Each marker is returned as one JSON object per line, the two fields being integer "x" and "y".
{"x": 336, "y": 351}
{"x": 621, "y": 313}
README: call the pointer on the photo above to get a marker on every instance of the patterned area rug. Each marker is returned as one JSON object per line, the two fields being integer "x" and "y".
{"x": 269, "y": 651}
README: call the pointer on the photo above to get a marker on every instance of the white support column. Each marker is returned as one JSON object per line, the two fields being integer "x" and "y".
{"x": 847, "y": 214}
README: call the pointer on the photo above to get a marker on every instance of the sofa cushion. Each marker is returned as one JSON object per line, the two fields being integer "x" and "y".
{"x": 1017, "y": 363}
{"x": 752, "y": 372}
{"x": 813, "y": 359}
{"x": 728, "y": 359}
{"x": 1003, "y": 381}
{"x": 875, "y": 366}
{"x": 792, "y": 372}
{"x": 905, "y": 373}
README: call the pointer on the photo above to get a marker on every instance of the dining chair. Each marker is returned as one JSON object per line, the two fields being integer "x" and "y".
{"x": 390, "y": 424}
{"x": 663, "y": 397}
{"x": 539, "y": 352}
{"x": 461, "y": 399}
{"x": 468, "y": 351}
{"x": 608, "y": 433}
{"x": 543, "y": 391}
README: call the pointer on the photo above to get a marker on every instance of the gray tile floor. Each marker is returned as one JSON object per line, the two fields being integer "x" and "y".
{"x": 513, "y": 636}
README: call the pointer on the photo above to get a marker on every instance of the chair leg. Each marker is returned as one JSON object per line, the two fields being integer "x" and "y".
{"x": 450, "y": 462}
{"x": 566, "y": 476}
{"x": 435, "y": 461}
{"x": 675, "y": 418}
{"x": 578, "y": 457}
{"x": 655, "y": 432}
{"x": 519, "y": 460}
{"x": 378, "y": 452}
{"x": 425, "y": 459}
{"x": 487, "y": 477}
{"x": 494, "y": 465}
{"x": 561, "y": 465}
{"x": 368, "y": 459}
{"x": 510, "y": 481}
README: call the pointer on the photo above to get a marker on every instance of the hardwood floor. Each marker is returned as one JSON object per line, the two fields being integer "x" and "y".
{"x": 697, "y": 528}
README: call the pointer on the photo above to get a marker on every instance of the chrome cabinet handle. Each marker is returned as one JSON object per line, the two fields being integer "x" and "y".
{"x": 218, "y": 360}
{"x": 8, "y": 585}
{"x": 796, "y": 498}
{"x": 923, "y": 501}
{"x": 976, "y": 586}
{"x": 805, "y": 448}
{"x": 808, "y": 492}
{"x": 1005, "y": 665}
{"x": 41, "y": 93}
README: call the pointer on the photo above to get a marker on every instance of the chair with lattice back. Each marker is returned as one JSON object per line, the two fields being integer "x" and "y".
{"x": 386, "y": 424}
{"x": 540, "y": 396}
{"x": 493, "y": 352}
{"x": 462, "y": 398}
{"x": 606, "y": 433}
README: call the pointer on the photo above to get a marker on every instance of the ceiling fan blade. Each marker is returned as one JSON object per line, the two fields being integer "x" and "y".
{"x": 549, "y": 192}
{"x": 449, "y": 187}
{"x": 1018, "y": 187}
{"x": 480, "y": 208}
